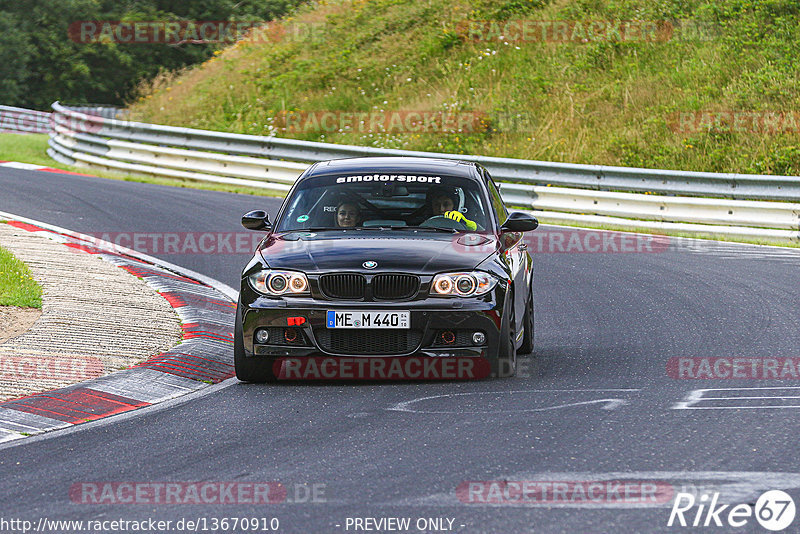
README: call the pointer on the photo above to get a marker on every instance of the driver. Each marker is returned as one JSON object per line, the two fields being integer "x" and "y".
{"x": 442, "y": 202}
{"x": 348, "y": 214}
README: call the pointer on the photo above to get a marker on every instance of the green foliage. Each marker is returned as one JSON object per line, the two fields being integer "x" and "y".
{"x": 449, "y": 39}
{"x": 39, "y": 63}
{"x": 592, "y": 100}
{"x": 505, "y": 9}
{"x": 784, "y": 161}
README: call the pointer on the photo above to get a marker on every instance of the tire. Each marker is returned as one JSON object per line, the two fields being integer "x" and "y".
{"x": 505, "y": 365}
{"x": 527, "y": 336}
{"x": 248, "y": 369}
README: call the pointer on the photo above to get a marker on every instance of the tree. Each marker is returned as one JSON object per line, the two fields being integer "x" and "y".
{"x": 41, "y": 63}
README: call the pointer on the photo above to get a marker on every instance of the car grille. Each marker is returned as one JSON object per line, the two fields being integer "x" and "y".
{"x": 368, "y": 341}
{"x": 394, "y": 286}
{"x": 343, "y": 286}
{"x": 384, "y": 286}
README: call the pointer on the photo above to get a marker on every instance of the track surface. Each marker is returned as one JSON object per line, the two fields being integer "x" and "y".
{"x": 605, "y": 322}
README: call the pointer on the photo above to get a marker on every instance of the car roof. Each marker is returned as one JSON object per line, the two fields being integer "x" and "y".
{"x": 386, "y": 165}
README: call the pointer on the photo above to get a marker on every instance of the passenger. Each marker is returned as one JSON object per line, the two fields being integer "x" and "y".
{"x": 347, "y": 214}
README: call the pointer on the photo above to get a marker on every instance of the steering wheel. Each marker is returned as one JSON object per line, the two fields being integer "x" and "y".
{"x": 440, "y": 221}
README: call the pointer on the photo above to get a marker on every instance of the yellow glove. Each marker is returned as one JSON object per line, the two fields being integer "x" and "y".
{"x": 458, "y": 216}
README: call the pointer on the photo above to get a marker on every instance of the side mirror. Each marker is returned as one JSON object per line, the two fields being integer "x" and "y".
{"x": 519, "y": 222}
{"x": 256, "y": 220}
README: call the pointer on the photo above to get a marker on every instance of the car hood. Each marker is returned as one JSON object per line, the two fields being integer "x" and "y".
{"x": 420, "y": 252}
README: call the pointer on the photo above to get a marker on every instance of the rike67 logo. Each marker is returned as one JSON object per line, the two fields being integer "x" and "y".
{"x": 774, "y": 510}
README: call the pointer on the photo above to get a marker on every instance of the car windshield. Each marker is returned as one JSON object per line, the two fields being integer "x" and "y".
{"x": 385, "y": 201}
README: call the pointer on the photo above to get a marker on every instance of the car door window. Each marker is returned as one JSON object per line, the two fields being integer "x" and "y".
{"x": 497, "y": 202}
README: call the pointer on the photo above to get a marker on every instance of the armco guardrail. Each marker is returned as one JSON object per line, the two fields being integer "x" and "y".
{"x": 711, "y": 203}
{"x": 79, "y": 138}
{"x": 19, "y": 120}
{"x": 109, "y": 112}
{"x": 741, "y": 186}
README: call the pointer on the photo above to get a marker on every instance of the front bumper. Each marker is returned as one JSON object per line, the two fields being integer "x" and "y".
{"x": 429, "y": 317}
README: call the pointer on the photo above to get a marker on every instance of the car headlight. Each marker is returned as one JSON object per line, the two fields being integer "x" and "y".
{"x": 277, "y": 283}
{"x": 469, "y": 284}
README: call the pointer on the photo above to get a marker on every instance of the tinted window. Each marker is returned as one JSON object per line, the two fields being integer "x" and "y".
{"x": 394, "y": 200}
{"x": 497, "y": 201}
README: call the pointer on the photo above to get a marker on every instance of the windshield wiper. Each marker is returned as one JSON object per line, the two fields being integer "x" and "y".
{"x": 434, "y": 228}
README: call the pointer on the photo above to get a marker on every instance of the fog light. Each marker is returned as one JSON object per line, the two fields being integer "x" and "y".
{"x": 478, "y": 338}
{"x": 262, "y": 336}
{"x": 290, "y": 335}
{"x": 448, "y": 337}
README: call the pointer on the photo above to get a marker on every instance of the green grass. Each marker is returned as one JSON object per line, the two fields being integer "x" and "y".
{"x": 25, "y": 148}
{"x": 607, "y": 103}
{"x": 17, "y": 287}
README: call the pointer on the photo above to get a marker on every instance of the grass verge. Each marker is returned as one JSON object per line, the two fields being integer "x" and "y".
{"x": 17, "y": 286}
{"x": 25, "y": 148}
{"x": 662, "y": 102}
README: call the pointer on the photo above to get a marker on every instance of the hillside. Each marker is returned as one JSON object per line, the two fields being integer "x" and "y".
{"x": 587, "y": 93}
{"x": 69, "y": 50}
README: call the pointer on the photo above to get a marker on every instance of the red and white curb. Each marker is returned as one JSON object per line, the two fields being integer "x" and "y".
{"x": 34, "y": 167}
{"x": 204, "y": 357}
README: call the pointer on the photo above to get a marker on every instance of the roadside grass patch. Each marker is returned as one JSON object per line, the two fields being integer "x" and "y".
{"x": 17, "y": 287}
{"x": 25, "y": 148}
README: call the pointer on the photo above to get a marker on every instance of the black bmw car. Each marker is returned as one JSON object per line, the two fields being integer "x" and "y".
{"x": 386, "y": 268}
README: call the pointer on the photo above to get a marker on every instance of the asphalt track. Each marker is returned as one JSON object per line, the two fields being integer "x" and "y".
{"x": 594, "y": 402}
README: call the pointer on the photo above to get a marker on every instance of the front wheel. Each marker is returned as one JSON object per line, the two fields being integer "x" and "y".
{"x": 527, "y": 336}
{"x": 505, "y": 365}
{"x": 248, "y": 369}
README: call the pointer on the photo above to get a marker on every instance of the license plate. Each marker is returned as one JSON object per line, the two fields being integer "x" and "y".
{"x": 368, "y": 319}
